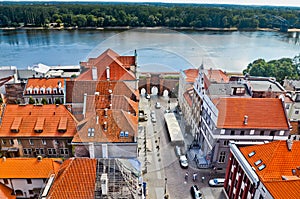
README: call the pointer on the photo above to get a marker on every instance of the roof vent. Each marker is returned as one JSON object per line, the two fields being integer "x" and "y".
{"x": 246, "y": 119}
{"x": 289, "y": 144}
{"x": 251, "y": 154}
{"x": 261, "y": 167}
{"x": 105, "y": 112}
{"x": 4, "y": 159}
{"x": 284, "y": 178}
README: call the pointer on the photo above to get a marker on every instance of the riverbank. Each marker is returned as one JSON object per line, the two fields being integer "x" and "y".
{"x": 148, "y": 28}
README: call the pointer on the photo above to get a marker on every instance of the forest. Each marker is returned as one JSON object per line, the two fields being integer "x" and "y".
{"x": 147, "y": 15}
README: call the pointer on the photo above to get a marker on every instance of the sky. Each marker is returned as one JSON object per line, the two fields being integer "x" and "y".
{"x": 295, "y": 3}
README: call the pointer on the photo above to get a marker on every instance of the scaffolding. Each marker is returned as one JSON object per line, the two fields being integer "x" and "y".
{"x": 111, "y": 182}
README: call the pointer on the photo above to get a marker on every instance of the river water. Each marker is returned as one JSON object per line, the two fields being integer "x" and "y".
{"x": 158, "y": 49}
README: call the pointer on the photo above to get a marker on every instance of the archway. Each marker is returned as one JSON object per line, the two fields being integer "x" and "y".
{"x": 19, "y": 192}
{"x": 166, "y": 93}
{"x": 154, "y": 90}
{"x": 143, "y": 92}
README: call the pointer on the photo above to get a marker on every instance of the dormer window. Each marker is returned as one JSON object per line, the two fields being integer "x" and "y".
{"x": 42, "y": 90}
{"x": 29, "y": 91}
{"x": 54, "y": 91}
{"x": 49, "y": 90}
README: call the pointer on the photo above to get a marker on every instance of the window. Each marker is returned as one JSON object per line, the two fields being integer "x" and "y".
{"x": 91, "y": 132}
{"x": 25, "y": 151}
{"x": 30, "y": 141}
{"x": 242, "y": 132}
{"x": 3, "y": 142}
{"x": 272, "y": 133}
{"x": 29, "y": 181}
{"x": 297, "y": 112}
{"x": 5, "y": 181}
{"x": 257, "y": 162}
{"x": 226, "y": 142}
{"x": 51, "y": 151}
{"x": 222, "y": 157}
{"x": 42, "y": 151}
{"x": 37, "y": 150}
{"x": 44, "y": 142}
{"x": 232, "y": 132}
{"x": 262, "y": 132}
{"x": 31, "y": 192}
{"x": 19, "y": 142}
{"x": 29, "y": 151}
{"x": 64, "y": 151}
{"x": 11, "y": 142}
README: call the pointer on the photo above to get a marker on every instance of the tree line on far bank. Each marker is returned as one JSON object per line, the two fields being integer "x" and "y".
{"x": 150, "y": 15}
{"x": 284, "y": 68}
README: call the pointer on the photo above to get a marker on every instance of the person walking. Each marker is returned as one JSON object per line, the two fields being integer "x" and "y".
{"x": 186, "y": 176}
{"x": 195, "y": 176}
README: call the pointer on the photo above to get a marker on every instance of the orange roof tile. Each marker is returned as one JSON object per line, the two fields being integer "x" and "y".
{"x": 118, "y": 70}
{"x": 28, "y": 167}
{"x": 263, "y": 113}
{"x": 37, "y": 121}
{"x": 76, "y": 179}
{"x": 191, "y": 74}
{"x": 279, "y": 162}
{"x": 116, "y": 120}
{"x": 5, "y": 192}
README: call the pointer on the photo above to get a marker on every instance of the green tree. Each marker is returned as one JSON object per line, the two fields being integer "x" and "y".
{"x": 44, "y": 101}
{"x": 31, "y": 100}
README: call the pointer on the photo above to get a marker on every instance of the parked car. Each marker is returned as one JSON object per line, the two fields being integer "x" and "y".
{"x": 153, "y": 119}
{"x": 216, "y": 182}
{"x": 152, "y": 114}
{"x": 196, "y": 194}
{"x": 183, "y": 161}
{"x": 157, "y": 105}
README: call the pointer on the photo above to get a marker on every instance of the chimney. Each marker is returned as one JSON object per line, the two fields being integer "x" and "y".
{"x": 94, "y": 73}
{"x": 105, "y": 112}
{"x": 84, "y": 104}
{"x": 107, "y": 73}
{"x": 105, "y": 126}
{"x": 289, "y": 144}
{"x": 97, "y": 119}
{"x": 246, "y": 119}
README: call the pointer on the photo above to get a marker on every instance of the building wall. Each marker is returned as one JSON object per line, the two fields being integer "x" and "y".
{"x": 116, "y": 150}
{"x": 58, "y": 147}
{"x": 24, "y": 186}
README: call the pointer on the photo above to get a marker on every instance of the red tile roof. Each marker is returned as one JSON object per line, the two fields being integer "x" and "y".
{"x": 279, "y": 163}
{"x": 76, "y": 179}
{"x": 214, "y": 76}
{"x": 37, "y": 121}
{"x": 76, "y": 89}
{"x": 191, "y": 74}
{"x": 116, "y": 120}
{"x": 28, "y": 167}
{"x": 5, "y": 192}
{"x": 118, "y": 70}
{"x": 263, "y": 113}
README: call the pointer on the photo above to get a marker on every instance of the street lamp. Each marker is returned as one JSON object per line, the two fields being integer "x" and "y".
{"x": 166, "y": 187}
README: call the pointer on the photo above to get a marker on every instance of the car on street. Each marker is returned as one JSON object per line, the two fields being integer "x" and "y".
{"x": 196, "y": 194}
{"x": 157, "y": 105}
{"x": 152, "y": 114}
{"x": 183, "y": 161}
{"x": 216, "y": 182}
{"x": 153, "y": 119}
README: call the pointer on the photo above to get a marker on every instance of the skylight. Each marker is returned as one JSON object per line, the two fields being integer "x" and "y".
{"x": 257, "y": 162}
{"x": 261, "y": 167}
{"x": 251, "y": 154}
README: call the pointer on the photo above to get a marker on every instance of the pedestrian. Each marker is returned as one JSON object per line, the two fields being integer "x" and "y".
{"x": 203, "y": 178}
{"x": 186, "y": 176}
{"x": 195, "y": 176}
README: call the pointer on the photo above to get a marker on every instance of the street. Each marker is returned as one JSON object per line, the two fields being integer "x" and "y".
{"x": 162, "y": 171}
